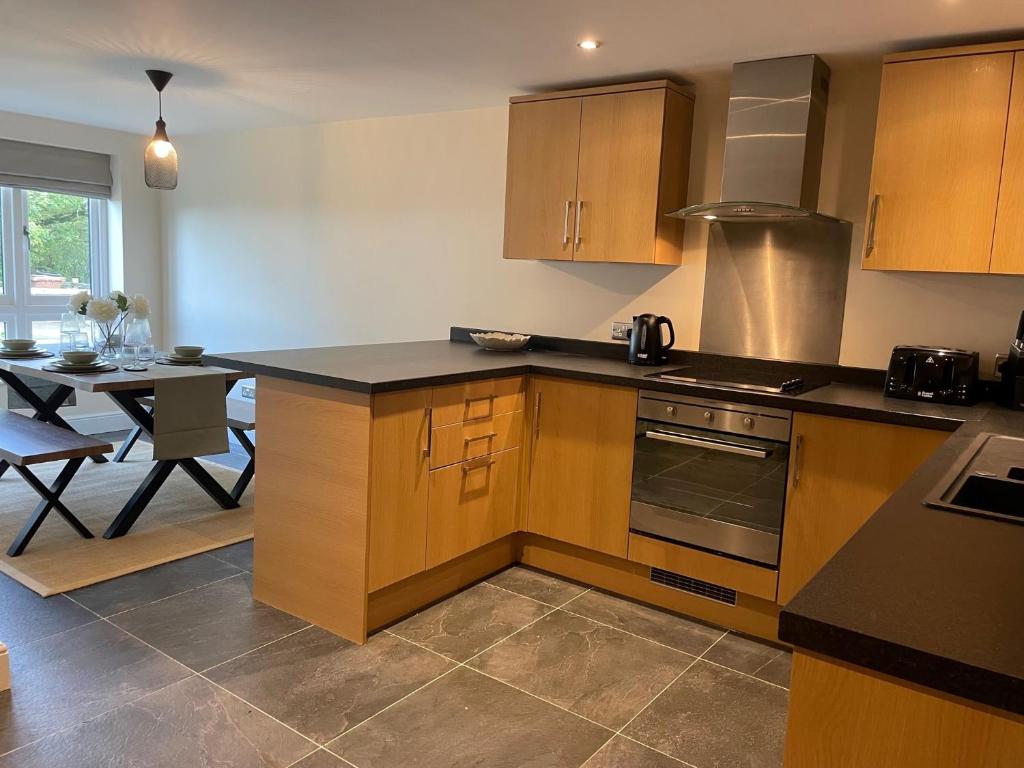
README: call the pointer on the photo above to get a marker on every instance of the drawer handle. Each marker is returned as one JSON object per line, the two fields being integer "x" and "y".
{"x": 488, "y": 436}
{"x": 469, "y": 400}
{"x": 469, "y": 466}
{"x": 428, "y": 414}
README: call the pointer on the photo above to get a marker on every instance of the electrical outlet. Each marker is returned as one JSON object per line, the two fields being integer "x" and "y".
{"x": 249, "y": 393}
{"x": 620, "y": 330}
{"x": 999, "y": 360}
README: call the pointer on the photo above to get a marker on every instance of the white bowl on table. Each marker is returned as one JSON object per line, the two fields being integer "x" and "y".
{"x": 79, "y": 357}
{"x": 187, "y": 351}
{"x": 18, "y": 345}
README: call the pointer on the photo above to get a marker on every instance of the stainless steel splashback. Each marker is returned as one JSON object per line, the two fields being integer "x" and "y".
{"x": 776, "y": 290}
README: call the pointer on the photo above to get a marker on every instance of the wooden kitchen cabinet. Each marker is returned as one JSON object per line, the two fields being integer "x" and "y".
{"x": 592, "y": 172}
{"x": 938, "y": 158}
{"x": 840, "y": 473}
{"x": 471, "y": 504}
{"x": 399, "y": 463}
{"x": 1008, "y": 247}
{"x": 581, "y": 463}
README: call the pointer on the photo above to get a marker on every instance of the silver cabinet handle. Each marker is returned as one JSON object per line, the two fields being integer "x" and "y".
{"x": 798, "y": 446}
{"x": 871, "y": 225}
{"x": 713, "y": 445}
{"x": 579, "y": 222}
{"x": 565, "y": 223}
{"x": 428, "y": 414}
{"x": 536, "y": 416}
{"x": 488, "y": 436}
{"x": 469, "y": 466}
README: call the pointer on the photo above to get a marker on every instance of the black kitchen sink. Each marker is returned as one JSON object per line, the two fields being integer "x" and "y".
{"x": 987, "y": 480}
{"x": 991, "y": 494}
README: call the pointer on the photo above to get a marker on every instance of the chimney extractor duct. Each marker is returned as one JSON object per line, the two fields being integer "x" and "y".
{"x": 773, "y": 143}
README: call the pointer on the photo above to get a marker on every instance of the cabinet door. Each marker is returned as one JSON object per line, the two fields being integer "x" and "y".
{"x": 938, "y": 154}
{"x": 471, "y": 504}
{"x": 540, "y": 185}
{"x": 1008, "y": 248}
{"x": 619, "y": 172}
{"x": 840, "y": 472}
{"x": 399, "y": 459}
{"x": 582, "y": 463}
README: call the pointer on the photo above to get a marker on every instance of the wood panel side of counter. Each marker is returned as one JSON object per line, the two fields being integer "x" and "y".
{"x": 312, "y": 491}
{"x": 5, "y": 668}
{"x": 840, "y": 716}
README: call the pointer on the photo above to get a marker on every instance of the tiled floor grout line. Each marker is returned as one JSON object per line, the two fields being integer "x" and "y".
{"x": 656, "y": 697}
{"x": 56, "y": 634}
{"x": 701, "y": 657}
{"x": 252, "y": 650}
{"x": 196, "y": 673}
{"x": 176, "y": 594}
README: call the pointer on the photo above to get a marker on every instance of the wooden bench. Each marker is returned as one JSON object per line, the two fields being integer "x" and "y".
{"x": 241, "y": 419}
{"x": 24, "y": 442}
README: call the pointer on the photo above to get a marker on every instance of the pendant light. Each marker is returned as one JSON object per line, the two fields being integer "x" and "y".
{"x": 161, "y": 159}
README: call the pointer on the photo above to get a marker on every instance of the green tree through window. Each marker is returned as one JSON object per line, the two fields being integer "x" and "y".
{"x": 58, "y": 230}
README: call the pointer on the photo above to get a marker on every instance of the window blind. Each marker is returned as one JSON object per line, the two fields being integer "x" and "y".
{"x": 54, "y": 169}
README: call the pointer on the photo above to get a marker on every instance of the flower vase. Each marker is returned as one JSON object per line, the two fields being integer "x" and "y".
{"x": 107, "y": 340}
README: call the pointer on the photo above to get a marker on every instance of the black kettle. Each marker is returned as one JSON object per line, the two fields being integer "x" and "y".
{"x": 646, "y": 346}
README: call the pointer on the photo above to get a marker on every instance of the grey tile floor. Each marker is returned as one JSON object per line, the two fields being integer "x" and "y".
{"x": 179, "y": 666}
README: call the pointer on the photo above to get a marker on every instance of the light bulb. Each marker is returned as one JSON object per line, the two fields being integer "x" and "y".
{"x": 162, "y": 148}
{"x": 588, "y": 45}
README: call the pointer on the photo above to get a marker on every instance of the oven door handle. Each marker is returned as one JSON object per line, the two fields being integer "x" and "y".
{"x": 711, "y": 445}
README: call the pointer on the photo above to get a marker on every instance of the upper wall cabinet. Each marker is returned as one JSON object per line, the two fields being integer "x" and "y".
{"x": 946, "y": 184}
{"x": 592, "y": 173}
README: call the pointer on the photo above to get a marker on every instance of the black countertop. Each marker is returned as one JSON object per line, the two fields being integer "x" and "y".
{"x": 921, "y": 594}
{"x": 374, "y": 368}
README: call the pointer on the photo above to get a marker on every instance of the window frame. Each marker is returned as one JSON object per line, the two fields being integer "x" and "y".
{"x": 18, "y": 306}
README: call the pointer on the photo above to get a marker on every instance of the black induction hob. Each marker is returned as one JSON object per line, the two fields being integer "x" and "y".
{"x": 733, "y": 378}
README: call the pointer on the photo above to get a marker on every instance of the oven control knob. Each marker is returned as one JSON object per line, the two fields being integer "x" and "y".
{"x": 709, "y": 416}
{"x": 670, "y": 410}
{"x": 748, "y": 422}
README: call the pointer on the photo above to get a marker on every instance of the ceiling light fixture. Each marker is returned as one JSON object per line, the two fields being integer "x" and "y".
{"x": 161, "y": 161}
{"x": 588, "y": 45}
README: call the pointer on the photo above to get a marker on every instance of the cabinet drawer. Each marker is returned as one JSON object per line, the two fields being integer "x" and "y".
{"x": 476, "y": 400}
{"x": 471, "y": 504}
{"x": 472, "y": 439}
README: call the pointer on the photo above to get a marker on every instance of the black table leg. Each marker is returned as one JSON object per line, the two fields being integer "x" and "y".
{"x": 250, "y": 469}
{"x": 137, "y": 503}
{"x": 51, "y": 500}
{"x": 127, "y": 401}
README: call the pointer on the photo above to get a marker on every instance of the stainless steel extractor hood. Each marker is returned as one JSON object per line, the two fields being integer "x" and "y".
{"x": 773, "y": 143}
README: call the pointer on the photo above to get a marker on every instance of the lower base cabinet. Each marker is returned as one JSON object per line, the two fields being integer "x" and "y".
{"x": 471, "y": 504}
{"x": 840, "y": 472}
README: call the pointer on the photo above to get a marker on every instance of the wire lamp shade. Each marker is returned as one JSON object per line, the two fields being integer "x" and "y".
{"x": 161, "y": 159}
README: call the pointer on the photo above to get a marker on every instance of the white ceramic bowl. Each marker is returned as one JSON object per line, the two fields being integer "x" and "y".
{"x": 186, "y": 351}
{"x": 80, "y": 357}
{"x": 496, "y": 341}
{"x": 18, "y": 345}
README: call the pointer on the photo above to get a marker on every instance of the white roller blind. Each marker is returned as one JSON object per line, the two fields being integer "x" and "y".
{"x": 54, "y": 169}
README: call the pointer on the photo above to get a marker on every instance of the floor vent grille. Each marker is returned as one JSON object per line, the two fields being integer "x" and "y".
{"x": 694, "y": 586}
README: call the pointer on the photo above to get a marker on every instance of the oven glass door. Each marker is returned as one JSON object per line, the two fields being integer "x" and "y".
{"x": 721, "y": 492}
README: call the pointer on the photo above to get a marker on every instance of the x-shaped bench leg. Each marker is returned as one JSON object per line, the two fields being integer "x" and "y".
{"x": 51, "y": 500}
{"x": 250, "y": 469}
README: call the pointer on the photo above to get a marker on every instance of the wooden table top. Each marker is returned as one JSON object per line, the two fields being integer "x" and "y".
{"x": 115, "y": 380}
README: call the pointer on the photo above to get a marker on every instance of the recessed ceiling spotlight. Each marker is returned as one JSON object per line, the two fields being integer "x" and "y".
{"x": 588, "y": 45}
{"x": 710, "y": 217}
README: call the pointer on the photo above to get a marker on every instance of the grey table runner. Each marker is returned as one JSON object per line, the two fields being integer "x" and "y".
{"x": 190, "y": 418}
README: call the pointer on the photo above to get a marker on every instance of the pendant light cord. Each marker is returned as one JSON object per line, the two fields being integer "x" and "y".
{"x": 160, "y": 103}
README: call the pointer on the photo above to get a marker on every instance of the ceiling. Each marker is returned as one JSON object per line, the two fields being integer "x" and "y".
{"x": 246, "y": 63}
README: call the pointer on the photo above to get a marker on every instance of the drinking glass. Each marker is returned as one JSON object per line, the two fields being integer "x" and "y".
{"x": 137, "y": 339}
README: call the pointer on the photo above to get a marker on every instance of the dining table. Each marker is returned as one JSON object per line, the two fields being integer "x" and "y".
{"x": 124, "y": 388}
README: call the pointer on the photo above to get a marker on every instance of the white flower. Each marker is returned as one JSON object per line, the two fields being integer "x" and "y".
{"x": 78, "y": 301}
{"x": 102, "y": 310}
{"x": 140, "y": 306}
{"x": 120, "y": 298}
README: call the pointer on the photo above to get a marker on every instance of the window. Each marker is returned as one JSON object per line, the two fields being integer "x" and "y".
{"x": 52, "y": 245}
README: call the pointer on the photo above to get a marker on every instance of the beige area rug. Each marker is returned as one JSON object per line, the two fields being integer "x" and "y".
{"x": 181, "y": 520}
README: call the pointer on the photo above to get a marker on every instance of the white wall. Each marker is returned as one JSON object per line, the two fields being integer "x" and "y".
{"x": 391, "y": 229}
{"x": 133, "y": 216}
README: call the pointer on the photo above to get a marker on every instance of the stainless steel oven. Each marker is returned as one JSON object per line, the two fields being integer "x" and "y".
{"x": 711, "y": 475}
